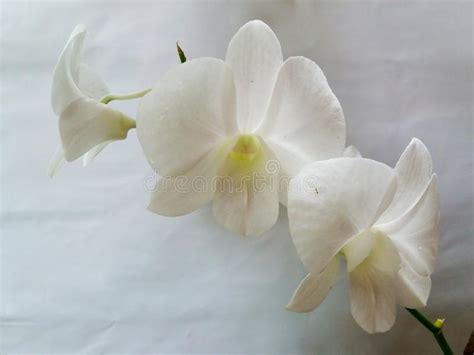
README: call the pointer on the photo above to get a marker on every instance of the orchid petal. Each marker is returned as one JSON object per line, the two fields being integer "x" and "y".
{"x": 416, "y": 233}
{"x": 87, "y": 123}
{"x": 91, "y": 154}
{"x": 331, "y": 201}
{"x": 255, "y": 56}
{"x": 351, "y": 152}
{"x": 304, "y": 122}
{"x": 373, "y": 300}
{"x": 414, "y": 169}
{"x": 304, "y": 116}
{"x": 175, "y": 196}
{"x": 64, "y": 89}
{"x": 412, "y": 289}
{"x": 247, "y": 202}
{"x": 91, "y": 84}
{"x": 312, "y": 291}
{"x": 190, "y": 112}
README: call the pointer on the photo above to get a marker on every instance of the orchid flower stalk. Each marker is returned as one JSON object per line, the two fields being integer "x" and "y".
{"x": 254, "y": 131}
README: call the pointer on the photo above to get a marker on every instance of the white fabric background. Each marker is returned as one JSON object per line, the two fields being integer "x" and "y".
{"x": 87, "y": 269}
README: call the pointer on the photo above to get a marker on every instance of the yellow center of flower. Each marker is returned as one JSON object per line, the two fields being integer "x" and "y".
{"x": 246, "y": 148}
{"x": 244, "y": 156}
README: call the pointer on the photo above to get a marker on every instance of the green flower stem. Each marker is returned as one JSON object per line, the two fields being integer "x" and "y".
{"x": 434, "y": 328}
{"x": 134, "y": 95}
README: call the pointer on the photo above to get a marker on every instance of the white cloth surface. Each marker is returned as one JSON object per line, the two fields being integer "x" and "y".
{"x": 85, "y": 268}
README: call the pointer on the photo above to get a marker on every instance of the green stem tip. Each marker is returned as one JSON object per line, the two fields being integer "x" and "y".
{"x": 182, "y": 56}
{"x": 435, "y": 328}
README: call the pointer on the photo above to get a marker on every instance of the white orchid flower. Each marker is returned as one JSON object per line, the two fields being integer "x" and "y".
{"x": 79, "y": 97}
{"x": 227, "y": 124}
{"x": 384, "y": 222}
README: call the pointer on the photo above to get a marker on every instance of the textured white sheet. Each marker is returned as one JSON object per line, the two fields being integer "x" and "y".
{"x": 86, "y": 269}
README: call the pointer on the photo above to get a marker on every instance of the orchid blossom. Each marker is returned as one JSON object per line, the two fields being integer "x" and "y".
{"x": 79, "y": 98}
{"x": 383, "y": 221}
{"x": 227, "y": 124}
